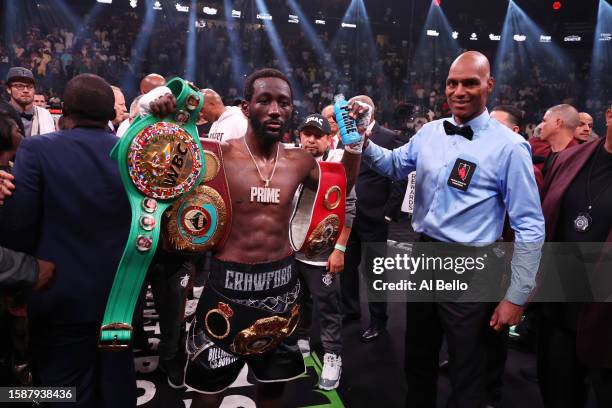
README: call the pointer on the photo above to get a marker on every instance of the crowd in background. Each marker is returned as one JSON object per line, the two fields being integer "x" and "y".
{"x": 405, "y": 79}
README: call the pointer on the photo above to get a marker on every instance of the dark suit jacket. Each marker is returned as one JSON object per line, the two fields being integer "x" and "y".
{"x": 69, "y": 207}
{"x": 378, "y": 196}
{"x": 594, "y": 339}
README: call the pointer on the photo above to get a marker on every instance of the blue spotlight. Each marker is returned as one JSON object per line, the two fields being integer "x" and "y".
{"x": 129, "y": 80}
{"x": 275, "y": 42}
{"x": 10, "y": 21}
{"x": 190, "y": 64}
{"x": 438, "y": 41}
{"x": 314, "y": 40}
{"x": 601, "y": 77}
{"x": 235, "y": 46}
{"x": 355, "y": 36}
{"x": 524, "y": 50}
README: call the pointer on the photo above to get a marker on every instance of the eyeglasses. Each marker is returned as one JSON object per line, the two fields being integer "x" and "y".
{"x": 21, "y": 87}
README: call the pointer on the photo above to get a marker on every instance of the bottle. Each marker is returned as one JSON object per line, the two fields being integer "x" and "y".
{"x": 347, "y": 125}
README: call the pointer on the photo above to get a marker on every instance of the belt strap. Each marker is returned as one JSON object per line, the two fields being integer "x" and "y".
{"x": 319, "y": 216}
{"x": 159, "y": 161}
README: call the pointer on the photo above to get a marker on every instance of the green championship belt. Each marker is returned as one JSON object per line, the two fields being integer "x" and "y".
{"x": 160, "y": 161}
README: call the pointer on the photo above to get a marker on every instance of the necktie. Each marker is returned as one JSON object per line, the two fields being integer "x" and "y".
{"x": 451, "y": 129}
{"x": 27, "y": 116}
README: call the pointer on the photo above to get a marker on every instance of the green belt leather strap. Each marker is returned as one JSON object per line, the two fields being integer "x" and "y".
{"x": 159, "y": 161}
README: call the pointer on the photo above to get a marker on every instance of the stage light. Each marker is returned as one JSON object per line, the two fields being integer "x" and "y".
{"x": 556, "y": 5}
{"x": 437, "y": 2}
{"x": 264, "y": 16}
{"x": 473, "y": 37}
{"x": 494, "y": 37}
{"x": 157, "y": 6}
{"x": 545, "y": 38}
{"x": 519, "y": 37}
{"x": 182, "y": 9}
{"x": 605, "y": 37}
{"x": 433, "y": 33}
{"x": 211, "y": 11}
{"x": 105, "y": 1}
{"x": 455, "y": 35}
{"x": 293, "y": 19}
{"x": 320, "y": 22}
{"x": 235, "y": 45}
{"x": 572, "y": 38}
{"x": 134, "y": 3}
{"x": 349, "y": 25}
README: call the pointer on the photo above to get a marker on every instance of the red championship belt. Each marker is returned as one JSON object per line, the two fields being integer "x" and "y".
{"x": 201, "y": 221}
{"x": 319, "y": 216}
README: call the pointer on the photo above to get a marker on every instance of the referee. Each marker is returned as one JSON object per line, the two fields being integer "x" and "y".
{"x": 455, "y": 206}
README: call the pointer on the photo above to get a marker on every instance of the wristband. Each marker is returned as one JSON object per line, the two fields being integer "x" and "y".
{"x": 159, "y": 161}
{"x": 339, "y": 247}
{"x": 354, "y": 148}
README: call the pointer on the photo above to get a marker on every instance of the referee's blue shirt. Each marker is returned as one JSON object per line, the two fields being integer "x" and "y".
{"x": 464, "y": 189}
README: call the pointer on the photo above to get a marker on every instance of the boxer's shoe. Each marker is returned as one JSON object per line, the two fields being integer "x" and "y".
{"x": 330, "y": 375}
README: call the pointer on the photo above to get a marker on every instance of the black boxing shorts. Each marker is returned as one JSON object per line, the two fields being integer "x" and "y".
{"x": 216, "y": 355}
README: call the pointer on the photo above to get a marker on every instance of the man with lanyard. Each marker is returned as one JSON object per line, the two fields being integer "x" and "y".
{"x": 320, "y": 275}
{"x": 20, "y": 85}
{"x": 258, "y": 244}
{"x": 574, "y": 337}
{"x": 470, "y": 171}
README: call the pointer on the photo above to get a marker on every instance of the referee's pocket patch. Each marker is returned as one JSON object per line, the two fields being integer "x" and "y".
{"x": 461, "y": 175}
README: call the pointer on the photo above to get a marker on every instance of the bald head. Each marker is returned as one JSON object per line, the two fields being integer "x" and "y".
{"x": 151, "y": 82}
{"x": 468, "y": 85}
{"x": 560, "y": 122}
{"x": 213, "y": 106}
{"x": 473, "y": 61}
{"x": 585, "y": 127}
{"x": 367, "y": 100}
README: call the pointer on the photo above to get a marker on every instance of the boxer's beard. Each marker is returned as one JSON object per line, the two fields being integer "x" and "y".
{"x": 260, "y": 130}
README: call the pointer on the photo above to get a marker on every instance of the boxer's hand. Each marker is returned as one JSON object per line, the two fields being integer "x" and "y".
{"x": 6, "y": 185}
{"x": 335, "y": 262}
{"x": 506, "y": 314}
{"x": 46, "y": 271}
{"x": 163, "y": 106}
{"x": 361, "y": 113}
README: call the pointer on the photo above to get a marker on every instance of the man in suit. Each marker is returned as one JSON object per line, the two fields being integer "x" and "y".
{"x": 574, "y": 338}
{"x": 379, "y": 200}
{"x": 69, "y": 207}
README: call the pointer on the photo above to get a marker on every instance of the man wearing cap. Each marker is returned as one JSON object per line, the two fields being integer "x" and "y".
{"x": 69, "y": 207}
{"x": 319, "y": 274}
{"x": 20, "y": 85}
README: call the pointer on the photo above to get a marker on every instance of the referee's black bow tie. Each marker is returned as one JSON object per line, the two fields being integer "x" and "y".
{"x": 27, "y": 116}
{"x": 465, "y": 131}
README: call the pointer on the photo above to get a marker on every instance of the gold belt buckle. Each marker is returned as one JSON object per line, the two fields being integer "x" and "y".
{"x": 265, "y": 334}
{"x": 116, "y": 344}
